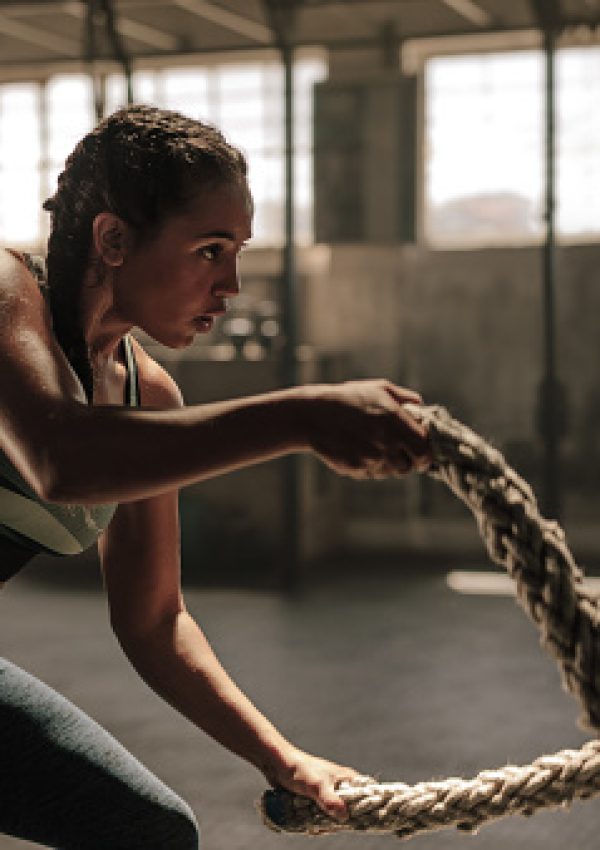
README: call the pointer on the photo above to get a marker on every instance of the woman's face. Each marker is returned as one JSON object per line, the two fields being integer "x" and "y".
{"x": 174, "y": 285}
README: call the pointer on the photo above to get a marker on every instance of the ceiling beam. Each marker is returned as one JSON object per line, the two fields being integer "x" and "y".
{"x": 146, "y": 34}
{"x": 547, "y": 13}
{"x": 128, "y": 28}
{"x": 228, "y": 20}
{"x": 41, "y": 38}
{"x": 470, "y": 11}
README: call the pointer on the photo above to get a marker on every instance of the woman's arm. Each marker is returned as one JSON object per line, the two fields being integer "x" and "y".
{"x": 140, "y": 562}
{"x": 71, "y": 452}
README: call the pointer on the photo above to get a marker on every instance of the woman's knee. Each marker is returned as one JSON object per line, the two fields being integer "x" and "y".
{"x": 174, "y": 827}
{"x": 187, "y": 835}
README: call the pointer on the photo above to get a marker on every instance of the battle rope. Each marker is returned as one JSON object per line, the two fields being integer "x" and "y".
{"x": 549, "y": 588}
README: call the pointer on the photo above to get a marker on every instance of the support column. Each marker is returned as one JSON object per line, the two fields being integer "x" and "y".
{"x": 281, "y": 14}
{"x": 100, "y": 15}
{"x": 551, "y": 402}
{"x": 290, "y": 574}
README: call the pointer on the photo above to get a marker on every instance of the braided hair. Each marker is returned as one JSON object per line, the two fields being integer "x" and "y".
{"x": 142, "y": 164}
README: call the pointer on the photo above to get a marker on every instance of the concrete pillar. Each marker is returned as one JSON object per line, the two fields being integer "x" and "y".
{"x": 365, "y": 150}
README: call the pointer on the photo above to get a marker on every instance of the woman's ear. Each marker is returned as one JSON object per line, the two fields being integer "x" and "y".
{"x": 111, "y": 238}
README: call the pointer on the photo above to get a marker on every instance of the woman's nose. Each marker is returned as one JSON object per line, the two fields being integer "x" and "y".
{"x": 229, "y": 285}
{"x": 227, "y": 288}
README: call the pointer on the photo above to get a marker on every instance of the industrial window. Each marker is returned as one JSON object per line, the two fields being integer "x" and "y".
{"x": 69, "y": 111}
{"x": 20, "y": 163}
{"x": 484, "y": 148}
{"x": 40, "y": 124}
{"x": 246, "y": 102}
{"x": 578, "y": 177}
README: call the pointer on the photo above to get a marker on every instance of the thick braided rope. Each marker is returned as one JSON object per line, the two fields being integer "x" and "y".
{"x": 549, "y": 588}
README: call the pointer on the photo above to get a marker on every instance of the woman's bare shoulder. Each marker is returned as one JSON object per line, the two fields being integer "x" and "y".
{"x": 23, "y": 309}
{"x": 18, "y": 287}
{"x": 157, "y": 388}
{"x": 34, "y": 365}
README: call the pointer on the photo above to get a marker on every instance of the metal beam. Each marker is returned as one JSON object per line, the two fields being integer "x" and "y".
{"x": 41, "y": 38}
{"x": 146, "y": 35}
{"x": 228, "y": 20}
{"x": 281, "y": 16}
{"x": 471, "y": 11}
{"x": 16, "y": 67}
{"x": 90, "y": 52}
{"x": 550, "y": 387}
{"x": 547, "y": 13}
{"x": 126, "y": 27}
{"x": 551, "y": 399}
{"x": 114, "y": 37}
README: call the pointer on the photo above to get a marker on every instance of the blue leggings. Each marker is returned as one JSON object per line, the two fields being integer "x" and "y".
{"x": 66, "y": 783}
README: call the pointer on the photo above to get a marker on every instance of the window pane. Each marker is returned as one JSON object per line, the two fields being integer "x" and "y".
{"x": 186, "y": 90}
{"x": 20, "y": 206}
{"x": 483, "y": 166}
{"x": 70, "y": 113}
{"x": 244, "y": 100}
{"x": 20, "y": 156}
{"x": 307, "y": 72}
{"x": 19, "y": 125}
{"x": 144, "y": 89}
{"x": 240, "y": 81}
{"x": 578, "y": 167}
{"x": 266, "y": 180}
{"x": 303, "y": 185}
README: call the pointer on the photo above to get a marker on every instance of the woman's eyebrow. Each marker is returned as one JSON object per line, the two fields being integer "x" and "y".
{"x": 217, "y": 234}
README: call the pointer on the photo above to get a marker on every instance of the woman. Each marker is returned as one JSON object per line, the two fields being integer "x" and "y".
{"x": 149, "y": 217}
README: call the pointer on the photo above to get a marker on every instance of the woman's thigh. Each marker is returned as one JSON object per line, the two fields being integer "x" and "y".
{"x": 66, "y": 783}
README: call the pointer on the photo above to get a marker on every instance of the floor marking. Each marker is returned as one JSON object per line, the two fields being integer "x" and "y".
{"x": 481, "y": 583}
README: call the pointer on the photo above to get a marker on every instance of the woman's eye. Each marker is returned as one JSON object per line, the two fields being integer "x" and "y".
{"x": 210, "y": 252}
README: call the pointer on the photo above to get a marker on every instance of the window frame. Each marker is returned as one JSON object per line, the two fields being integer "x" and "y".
{"x": 414, "y": 55}
{"x": 44, "y": 73}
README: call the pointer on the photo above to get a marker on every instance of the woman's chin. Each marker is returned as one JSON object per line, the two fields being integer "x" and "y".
{"x": 182, "y": 339}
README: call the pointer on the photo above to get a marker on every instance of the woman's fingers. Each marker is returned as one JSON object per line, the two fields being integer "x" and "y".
{"x": 365, "y": 431}
{"x": 317, "y": 779}
{"x": 403, "y": 395}
{"x": 332, "y": 804}
{"x": 403, "y": 442}
{"x": 414, "y": 439}
{"x": 327, "y": 797}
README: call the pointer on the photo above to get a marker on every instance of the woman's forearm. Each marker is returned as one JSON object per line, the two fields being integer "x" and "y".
{"x": 77, "y": 454}
{"x": 176, "y": 660}
{"x": 106, "y": 454}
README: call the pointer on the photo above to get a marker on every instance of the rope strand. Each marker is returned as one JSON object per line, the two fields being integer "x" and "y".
{"x": 550, "y": 588}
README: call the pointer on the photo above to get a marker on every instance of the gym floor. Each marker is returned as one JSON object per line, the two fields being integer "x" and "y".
{"x": 389, "y": 671}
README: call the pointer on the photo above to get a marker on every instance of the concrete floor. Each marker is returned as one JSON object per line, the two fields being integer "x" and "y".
{"x": 392, "y": 673}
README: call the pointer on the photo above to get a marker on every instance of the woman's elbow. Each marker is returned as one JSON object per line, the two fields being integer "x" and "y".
{"x": 40, "y": 471}
{"x": 139, "y": 634}
{"x": 47, "y": 460}
{"x": 53, "y": 481}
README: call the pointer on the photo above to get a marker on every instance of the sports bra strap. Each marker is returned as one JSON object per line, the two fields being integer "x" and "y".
{"x": 132, "y": 385}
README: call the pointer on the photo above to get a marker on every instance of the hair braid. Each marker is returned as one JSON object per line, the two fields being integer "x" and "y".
{"x": 142, "y": 164}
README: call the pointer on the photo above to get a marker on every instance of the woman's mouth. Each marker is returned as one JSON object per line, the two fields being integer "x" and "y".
{"x": 204, "y": 323}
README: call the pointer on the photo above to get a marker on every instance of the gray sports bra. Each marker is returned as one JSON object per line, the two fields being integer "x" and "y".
{"x": 28, "y": 524}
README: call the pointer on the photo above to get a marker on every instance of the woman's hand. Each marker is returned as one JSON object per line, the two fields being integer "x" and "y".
{"x": 361, "y": 429}
{"x": 315, "y": 778}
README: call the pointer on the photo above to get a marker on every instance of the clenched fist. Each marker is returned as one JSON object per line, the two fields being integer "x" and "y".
{"x": 361, "y": 429}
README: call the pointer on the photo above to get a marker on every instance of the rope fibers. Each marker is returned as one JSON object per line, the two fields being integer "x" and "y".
{"x": 550, "y": 588}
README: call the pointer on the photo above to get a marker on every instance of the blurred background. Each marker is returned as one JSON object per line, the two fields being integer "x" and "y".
{"x": 426, "y": 175}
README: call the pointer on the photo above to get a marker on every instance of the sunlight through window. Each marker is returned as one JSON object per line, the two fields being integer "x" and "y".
{"x": 484, "y": 162}
{"x": 244, "y": 100}
{"x": 484, "y": 155}
{"x": 20, "y": 163}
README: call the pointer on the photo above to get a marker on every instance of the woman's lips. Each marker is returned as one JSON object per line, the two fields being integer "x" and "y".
{"x": 206, "y": 320}
{"x": 204, "y": 323}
